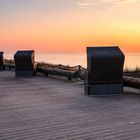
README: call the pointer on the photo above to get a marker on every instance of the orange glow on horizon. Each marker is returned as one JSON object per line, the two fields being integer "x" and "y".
{"x": 71, "y": 30}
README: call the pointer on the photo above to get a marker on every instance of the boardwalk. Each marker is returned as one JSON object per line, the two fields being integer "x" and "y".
{"x": 54, "y": 109}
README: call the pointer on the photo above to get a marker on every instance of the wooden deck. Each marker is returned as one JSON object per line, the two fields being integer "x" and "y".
{"x": 54, "y": 109}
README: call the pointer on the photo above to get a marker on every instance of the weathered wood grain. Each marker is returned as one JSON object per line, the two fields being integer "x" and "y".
{"x": 131, "y": 82}
{"x": 43, "y": 108}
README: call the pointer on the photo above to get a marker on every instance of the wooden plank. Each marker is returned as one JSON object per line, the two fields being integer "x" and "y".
{"x": 55, "y": 71}
{"x": 131, "y": 82}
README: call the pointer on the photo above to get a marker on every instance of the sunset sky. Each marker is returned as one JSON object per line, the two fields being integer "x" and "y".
{"x": 69, "y": 25}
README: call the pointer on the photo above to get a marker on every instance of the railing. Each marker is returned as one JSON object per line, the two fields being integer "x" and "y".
{"x": 52, "y": 69}
{"x": 131, "y": 82}
{"x": 71, "y": 72}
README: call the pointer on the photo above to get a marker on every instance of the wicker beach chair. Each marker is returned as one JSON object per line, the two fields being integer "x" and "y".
{"x": 24, "y": 63}
{"x": 104, "y": 75}
{"x": 2, "y": 63}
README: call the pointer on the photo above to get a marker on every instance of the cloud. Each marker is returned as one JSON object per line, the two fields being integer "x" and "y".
{"x": 85, "y": 4}
{"x": 127, "y": 1}
{"x": 116, "y": 1}
{"x": 92, "y": 3}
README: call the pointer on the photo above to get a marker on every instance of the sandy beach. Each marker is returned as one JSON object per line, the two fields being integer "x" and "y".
{"x": 48, "y": 108}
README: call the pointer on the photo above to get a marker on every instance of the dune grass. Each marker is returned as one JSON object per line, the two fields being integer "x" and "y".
{"x": 132, "y": 72}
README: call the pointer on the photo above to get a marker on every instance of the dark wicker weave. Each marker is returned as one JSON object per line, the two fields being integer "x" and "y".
{"x": 24, "y": 63}
{"x": 104, "y": 70}
{"x": 1, "y": 61}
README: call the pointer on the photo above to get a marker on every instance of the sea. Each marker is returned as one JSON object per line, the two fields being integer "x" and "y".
{"x": 132, "y": 60}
